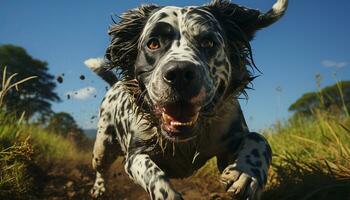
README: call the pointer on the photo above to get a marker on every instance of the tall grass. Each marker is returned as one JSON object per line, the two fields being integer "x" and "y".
{"x": 25, "y": 150}
{"x": 311, "y": 157}
{"x": 26, "y": 153}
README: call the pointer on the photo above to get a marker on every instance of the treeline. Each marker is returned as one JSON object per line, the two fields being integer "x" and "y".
{"x": 335, "y": 98}
{"x": 32, "y": 99}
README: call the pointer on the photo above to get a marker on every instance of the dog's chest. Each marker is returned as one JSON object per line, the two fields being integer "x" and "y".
{"x": 182, "y": 159}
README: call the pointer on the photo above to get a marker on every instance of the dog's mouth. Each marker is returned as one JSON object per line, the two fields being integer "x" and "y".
{"x": 178, "y": 120}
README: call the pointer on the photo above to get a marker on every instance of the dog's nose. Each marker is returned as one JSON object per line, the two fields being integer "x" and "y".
{"x": 180, "y": 74}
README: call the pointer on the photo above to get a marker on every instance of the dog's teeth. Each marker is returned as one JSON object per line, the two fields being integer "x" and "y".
{"x": 168, "y": 119}
{"x": 173, "y": 123}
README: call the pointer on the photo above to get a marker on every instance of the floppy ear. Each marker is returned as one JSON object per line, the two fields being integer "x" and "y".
{"x": 122, "y": 51}
{"x": 248, "y": 20}
{"x": 239, "y": 25}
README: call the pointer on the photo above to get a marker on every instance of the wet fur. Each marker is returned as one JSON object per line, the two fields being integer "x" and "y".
{"x": 129, "y": 125}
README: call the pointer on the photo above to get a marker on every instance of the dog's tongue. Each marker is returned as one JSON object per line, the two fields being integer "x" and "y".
{"x": 182, "y": 112}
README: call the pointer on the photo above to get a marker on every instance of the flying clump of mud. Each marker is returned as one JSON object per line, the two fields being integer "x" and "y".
{"x": 59, "y": 79}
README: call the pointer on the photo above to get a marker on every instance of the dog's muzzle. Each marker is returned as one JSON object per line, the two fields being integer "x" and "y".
{"x": 179, "y": 117}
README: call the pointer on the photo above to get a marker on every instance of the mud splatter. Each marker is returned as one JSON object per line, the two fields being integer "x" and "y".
{"x": 59, "y": 79}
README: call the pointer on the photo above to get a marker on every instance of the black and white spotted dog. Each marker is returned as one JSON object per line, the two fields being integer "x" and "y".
{"x": 175, "y": 105}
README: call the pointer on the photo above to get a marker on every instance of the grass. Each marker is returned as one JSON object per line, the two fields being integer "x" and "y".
{"x": 27, "y": 151}
{"x": 311, "y": 158}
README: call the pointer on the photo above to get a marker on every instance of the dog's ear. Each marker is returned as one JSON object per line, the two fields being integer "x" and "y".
{"x": 248, "y": 21}
{"x": 125, "y": 34}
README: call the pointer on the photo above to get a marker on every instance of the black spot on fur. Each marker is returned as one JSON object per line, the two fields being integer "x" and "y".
{"x": 257, "y": 175}
{"x": 255, "y": 153}
{"x": 109, "y": 116}
{"x": 129, "y": 164}
{"x": 174, "y": 13}
{"x": 122, "y": 111}
{"x": 149, "y": 59}
{"x": 264, "y": 177}
{"x": 113, "y": 98}
{"x": 152, "y": 191}
{"x": 110, "y": 130}
{"x": 163, "y": 15}
{"x": 148, "y": 164}
{"x": 101, "y": 111}
{"x": 256, "y": 137}
{"x": 258, "y": 163}
{"x": 164, "y": 193}
{"x": 267, "y": 157}
{"x": 248, "y": 161}
{"x": 156, "y": 170}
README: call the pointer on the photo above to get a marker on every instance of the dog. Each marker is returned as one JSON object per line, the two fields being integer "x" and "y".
{"x": 172, "y": 104}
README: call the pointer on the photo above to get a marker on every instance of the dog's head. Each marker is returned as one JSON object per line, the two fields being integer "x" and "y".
{"x": 188, "y": 60}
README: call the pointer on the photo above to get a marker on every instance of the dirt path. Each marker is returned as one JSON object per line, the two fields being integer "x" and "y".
{"x": 75, "y": 183}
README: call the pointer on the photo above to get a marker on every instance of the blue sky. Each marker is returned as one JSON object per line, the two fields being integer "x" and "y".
{"x": 312, "y": 38}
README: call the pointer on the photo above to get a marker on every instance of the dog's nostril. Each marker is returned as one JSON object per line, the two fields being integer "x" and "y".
{"x": 170, "y": 76}
{"x": 189, "y": 75}
{"x": 180, "y": 74}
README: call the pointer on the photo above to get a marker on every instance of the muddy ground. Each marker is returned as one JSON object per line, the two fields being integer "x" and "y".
{"x": 75, "y": 182}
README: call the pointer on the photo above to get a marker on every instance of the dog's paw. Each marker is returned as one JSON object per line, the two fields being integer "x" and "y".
{"x": 98, "y": 190}
{"x": 240, "y": 185}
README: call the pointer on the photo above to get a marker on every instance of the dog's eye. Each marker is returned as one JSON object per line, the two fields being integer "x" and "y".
{"x": 207, "y": 43}
{"x": 153, "y": 44}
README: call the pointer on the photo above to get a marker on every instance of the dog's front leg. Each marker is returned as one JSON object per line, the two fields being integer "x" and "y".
{"x": 146, "y": 173}
{"x": 106, "y": 150}
{"x": 245, "y": 172}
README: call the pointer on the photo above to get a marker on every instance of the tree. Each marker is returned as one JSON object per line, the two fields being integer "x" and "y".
{"x": 335, "y": 96}
{"x": 36, "y": 95}
{"x": 63, "y": 123}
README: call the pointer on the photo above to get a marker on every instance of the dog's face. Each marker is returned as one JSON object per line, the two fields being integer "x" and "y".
{"x": 182, "y": 61}
{"x": 187, "y": 60}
